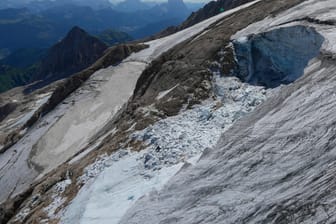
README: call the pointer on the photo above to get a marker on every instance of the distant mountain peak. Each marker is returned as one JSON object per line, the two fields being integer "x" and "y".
{"x": 76, "y": 31}
{"x": 75, "y": 52}
{"x": 177, "y": 7}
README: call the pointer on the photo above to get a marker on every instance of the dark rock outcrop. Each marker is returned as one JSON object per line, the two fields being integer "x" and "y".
{"x": 211, "y": 9}
{"x": 6, "y": 109}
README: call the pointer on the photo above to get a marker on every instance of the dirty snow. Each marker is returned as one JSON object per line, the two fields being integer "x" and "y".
{"x": 74, "y": 130}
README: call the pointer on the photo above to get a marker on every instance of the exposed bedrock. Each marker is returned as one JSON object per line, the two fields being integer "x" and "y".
{"x": 278, "y": 56}
{"x": 6, "y": 109}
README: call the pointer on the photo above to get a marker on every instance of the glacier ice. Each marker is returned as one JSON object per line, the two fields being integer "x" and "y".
{"x": 278, "y": 56}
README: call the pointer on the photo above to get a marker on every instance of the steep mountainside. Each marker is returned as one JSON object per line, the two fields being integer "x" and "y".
{"x": 228, "y": 121}
{"x": 75, "y": 52}
{"x": 210, "y": 9}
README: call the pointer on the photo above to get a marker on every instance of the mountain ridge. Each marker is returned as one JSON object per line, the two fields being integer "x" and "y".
{"x": 75, "y": 52}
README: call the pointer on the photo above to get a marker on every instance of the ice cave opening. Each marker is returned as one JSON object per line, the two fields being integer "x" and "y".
{"x": 276, "y": 57}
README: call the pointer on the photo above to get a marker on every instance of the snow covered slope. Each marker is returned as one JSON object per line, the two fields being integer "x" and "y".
{"x": 277, "y": 164}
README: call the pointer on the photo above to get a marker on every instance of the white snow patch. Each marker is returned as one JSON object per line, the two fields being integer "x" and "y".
{"x": 242, "y": 39}
{"x": 114, "y": 191}
{"x": 164, "y": 93}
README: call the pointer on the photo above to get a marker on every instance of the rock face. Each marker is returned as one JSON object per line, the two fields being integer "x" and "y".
{"x": 210, "y": 9}
{"x": 78, "y": 50}
{"x": 6, "y": 109}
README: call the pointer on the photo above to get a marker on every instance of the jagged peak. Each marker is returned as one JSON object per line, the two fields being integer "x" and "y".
{"x": 76, "y": 31}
